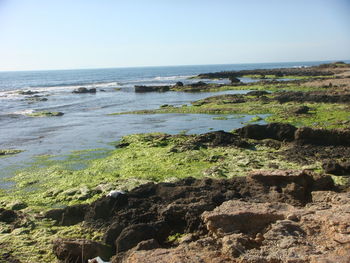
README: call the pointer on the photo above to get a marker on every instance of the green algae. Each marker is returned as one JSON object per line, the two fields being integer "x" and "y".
{"x": 321, "y": 115}
{"x": 273, "y": 87}
{"x": 32, "y": 242}
{"x": 292, "y": 77}
{"x": 56, "y": 182}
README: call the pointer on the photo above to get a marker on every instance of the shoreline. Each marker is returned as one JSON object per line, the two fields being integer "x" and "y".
{"x": 160, "y": 157}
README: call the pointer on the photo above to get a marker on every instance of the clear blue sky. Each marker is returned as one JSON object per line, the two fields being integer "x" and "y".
{"x": 64, "y": 34}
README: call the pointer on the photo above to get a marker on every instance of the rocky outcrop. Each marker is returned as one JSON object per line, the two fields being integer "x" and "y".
{"x": 308, "y": 135}
{"x": 336, "y": 168}
{"x": 142, "y": 88}
{"x": 73, "y": 250}
{"x": 257, "y": 93}
{"x": 157, "y": 211}
{"x": 301, "y": 97}
{"x": 234, "y": 80}
{"x": 7, "y": 216}
{"x": 276, "y": 131}
{"x": 249, "y": 232}
{"x": 301, "y": 110}
{"x": 211, "y": 139}
{"x": 84, "y": 90}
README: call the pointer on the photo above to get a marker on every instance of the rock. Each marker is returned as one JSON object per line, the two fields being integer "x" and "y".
{"x": 243, "y": 217}
{"x": 292, "y": 186}
{"x": 302, "y": 110}
{"x": 333, "y": 137}
{"x": 113, "y": 233}
{"x": 276, "y": 131}
{"x": 27, "y": 92}
{"x": 235, "y": 245}
{"x": 210, "y": 139}
{"x": 133, "y": 235}
{"x": 336, "y": 168}
{"x": 35, "y": 98}
{"x": 7, "y": 216}
{"x": 55, "y": 214}
{"x": 17, "y": 205}
{"x": 72, "y": 215}
{"x": 84, "y": 90}
{"x": 157, "y": 211}
{"x": 45, "y": 114}
{"x": 9, "y": 151}
{"x": 179, "y": 84}
{"x": 220, "y": 138}
{"x": 147, "y": 245}
{"x": 142, "y": 88}
{"x": 198, "y": 84}
{"x": 234, "y": 80}
{"x": 79, "y": 250}
{"x": 320, "y": 97}
{"x": 257, "y": 93}
{"x": 103, "y": 208}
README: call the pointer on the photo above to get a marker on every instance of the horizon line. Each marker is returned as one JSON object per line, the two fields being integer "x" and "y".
{"x": 182, "y": 65}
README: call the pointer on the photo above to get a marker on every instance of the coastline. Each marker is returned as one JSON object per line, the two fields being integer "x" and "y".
{"x": 159, "y": 157}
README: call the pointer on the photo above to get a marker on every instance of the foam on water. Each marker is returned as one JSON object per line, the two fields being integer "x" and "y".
{"x": 160, "y": 78}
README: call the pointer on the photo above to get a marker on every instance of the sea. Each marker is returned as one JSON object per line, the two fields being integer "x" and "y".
{"x": 87, "y": 123}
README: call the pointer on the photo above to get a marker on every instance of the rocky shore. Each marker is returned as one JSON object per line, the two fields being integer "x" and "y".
{"x": 272, "y": 193}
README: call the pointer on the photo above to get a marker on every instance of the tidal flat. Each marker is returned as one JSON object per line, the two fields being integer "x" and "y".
{"x": 276, "y": 138}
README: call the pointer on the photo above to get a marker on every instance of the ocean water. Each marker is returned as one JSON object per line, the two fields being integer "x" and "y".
{"x": 86, "y": 123}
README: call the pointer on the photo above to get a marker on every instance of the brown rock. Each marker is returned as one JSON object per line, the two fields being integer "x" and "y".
{"x": 72, "y": 250}
{"x": 243, "y": 217}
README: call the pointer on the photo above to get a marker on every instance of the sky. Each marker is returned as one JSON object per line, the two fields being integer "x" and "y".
{"x": 71, "y": 34}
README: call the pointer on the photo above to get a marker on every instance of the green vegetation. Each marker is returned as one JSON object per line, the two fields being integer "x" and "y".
{"x": 321, "y": 115}
{"x": 45, "y": 114}
{"x": 220, "y": 118}
{"x": 32, "y": 241}
{"x": 257, "y": 76}
{"x": 175, "y": 238}
{"x": 52, "y": 182}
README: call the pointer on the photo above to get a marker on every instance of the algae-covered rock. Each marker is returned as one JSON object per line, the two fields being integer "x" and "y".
{"x": 84, "y": 90}
{"x": 45, "y": 114}
{"x": 4, "y": 152}
{"x": 17, "y": 205}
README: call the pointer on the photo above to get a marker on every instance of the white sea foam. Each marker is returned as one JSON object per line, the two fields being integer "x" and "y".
{"x": 22, "y": 112}
{"x": 173, "y": 77}
{"x": 64, "y": 87}
{"x": 14, "y": 94}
